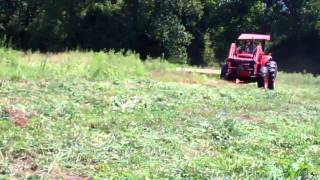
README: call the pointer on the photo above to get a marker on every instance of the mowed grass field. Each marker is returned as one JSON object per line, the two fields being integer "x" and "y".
{"x": 86, "y": 115}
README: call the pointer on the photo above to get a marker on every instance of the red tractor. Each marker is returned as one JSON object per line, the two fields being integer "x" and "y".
{"x": 249, "y": 63}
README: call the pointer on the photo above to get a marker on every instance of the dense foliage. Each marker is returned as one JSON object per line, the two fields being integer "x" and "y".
{"x": 176, "y": 29}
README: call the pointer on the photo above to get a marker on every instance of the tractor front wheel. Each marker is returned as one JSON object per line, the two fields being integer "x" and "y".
{"x": 272, "y": 74}
{"x": 267, "y": 75}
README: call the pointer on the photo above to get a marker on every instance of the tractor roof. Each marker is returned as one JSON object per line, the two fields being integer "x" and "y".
{"x": 254, "y": 37}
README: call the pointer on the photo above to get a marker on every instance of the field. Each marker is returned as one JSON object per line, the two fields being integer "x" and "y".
{"x": 86, "y": 115}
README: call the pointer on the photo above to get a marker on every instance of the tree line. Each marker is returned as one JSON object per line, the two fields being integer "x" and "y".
{"x": 183, "y": 31}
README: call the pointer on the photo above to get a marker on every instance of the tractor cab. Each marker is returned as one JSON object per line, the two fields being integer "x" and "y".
{"x": 249, "y": 47}
{"x": 248, "y": 44}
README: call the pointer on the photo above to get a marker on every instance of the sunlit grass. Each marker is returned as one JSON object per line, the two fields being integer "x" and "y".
{"x": 103, "y": 115}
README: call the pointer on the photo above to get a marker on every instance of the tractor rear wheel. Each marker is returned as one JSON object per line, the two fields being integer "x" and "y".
{"x": 272, "y": 74}
{"x": 261, "y": 77}
{"x": 224, "y": 70}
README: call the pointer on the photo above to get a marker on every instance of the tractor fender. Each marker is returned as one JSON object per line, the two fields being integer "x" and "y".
{"x": 272, "y": 65}
{"x": 265, "y": 59}
{"x": 269, "y": 58}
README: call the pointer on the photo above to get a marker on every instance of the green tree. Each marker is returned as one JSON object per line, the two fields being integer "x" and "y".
{"x": 181, "y": 30}
{"x": 169, "y": 30}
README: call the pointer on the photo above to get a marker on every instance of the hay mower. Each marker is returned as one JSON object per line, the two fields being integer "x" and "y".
{"x": 248, "y": 62}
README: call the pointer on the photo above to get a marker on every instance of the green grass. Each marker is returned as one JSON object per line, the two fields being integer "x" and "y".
{"x": 103, "y": 115}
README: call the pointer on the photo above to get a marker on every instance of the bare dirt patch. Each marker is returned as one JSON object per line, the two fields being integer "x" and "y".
{"x": 74, "y": 177}
{"x": 24, "y": 164}
{"x": 177, "y": 76}
{"x": 18, "y": 117}
{"x": 249, "y": 118}
{"x": 193, "y": 76}
{"x": 188, "y": 111}
{"x": 58, "y": 173}
{"x": 208, "y": 72}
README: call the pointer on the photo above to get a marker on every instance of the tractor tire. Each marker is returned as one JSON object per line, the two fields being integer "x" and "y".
{"x": 272, "y": 74}
{"x": 261, "y": 77}
{"x": 224, "y": 70}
